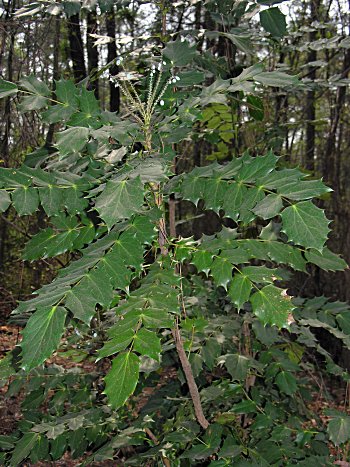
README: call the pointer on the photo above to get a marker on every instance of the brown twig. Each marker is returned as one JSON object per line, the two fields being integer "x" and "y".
{"x": 165, "y": 460}
{"x": 192, "y": 386}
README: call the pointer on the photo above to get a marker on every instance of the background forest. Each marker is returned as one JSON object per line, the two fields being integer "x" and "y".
{"x": 182, "y": 102}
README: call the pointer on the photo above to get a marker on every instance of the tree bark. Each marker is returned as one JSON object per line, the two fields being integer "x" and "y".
{"x": 192, "y": 386}
{"x": 5, "y": 140}
{"x": 92, "y": 52}
{"x": 329, "y": 152}
{"x": 114, "y": 93}
{"x": 56, "y": 74}
{"x": 310, "y": 96}
{"x": 76, "y": 48}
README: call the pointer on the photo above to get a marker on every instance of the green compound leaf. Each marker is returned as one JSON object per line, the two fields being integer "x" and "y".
{"x": 255, "y": 167}
{"x": 10, "y": 178}
{"x": 86, "y": 235}
{"x": 113, "y": 266}
{"x": 61, "y": 243}
{"x": 215, "y": 93}
{"x": 57, "y": 113}
{"x": 51, "y": 199}
{"x": 237, "y": 365}
{"x": 81, "y": 304}
{"x": 122, "y": 379}
{"x": 209, "y": 445}
{"x": 221, "y": 270}
{"x": 88, "y": 103}
{"x": 326, "y": 260}
{"x": 241, "y": 41}
{"x": 24, "y": 447}
{"x": 210, "y": 352}
{"x": 261, "y": 274}
{"x": 214, "y": 192}
{"x": 189, "y": 78}
{"x": 119, "y": 342}
{"x": 96, "y": 286}
{"x": 304, "y": 189}
{"x": 253, "y": 197}
{"x": 233, "y": 200}
{"x": 339, "y": 430}
{"x": 25, "y": 200}
{"x": 286, "y": 382}
{"x": 156, "y": 318}
{"x": 269, "y": 207}
{"x": 66, "y": 92}
{"x": 34, "y": 85}
{"x": 5, "y": 200}
{"x": 129, "y": 249}
{"x": 49, "y": 243}
{"x": 7, "y": 88}
{"x": 272, "y": 306}
{"x": 142, "y": 228}
{"x": 236, "y": 255}
{"x": 202, "y": 260}
{"x": 42, "y": 335}
{"x": 147, "y": 343}
{"x": 29, "y": 103}
{"x": 279, "y": 179}
{"x": 36, "y": 247}
{"x": 72, "y": 140}
{"x": 192, "y": 188}
{"x": 119, "y": 200}
{"x": 183, "y": 250}
{"x": 73, "y": 201}
{"x": 306, "y": 225}
{"x": 255, "y": 108}
{"x": 240, "y": 289}
{"x": 179, "y": 53}
{"x": 228, "y": 171}
{"x": 274, "y": 22}
{"x": 48, "y": 295}
{"x": 276, "y": 79}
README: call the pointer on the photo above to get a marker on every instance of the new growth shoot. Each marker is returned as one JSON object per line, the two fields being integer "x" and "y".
{"x": 143, "y": 111}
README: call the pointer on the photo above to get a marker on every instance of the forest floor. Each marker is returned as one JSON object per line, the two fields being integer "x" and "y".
{"x": 330, "y": 395}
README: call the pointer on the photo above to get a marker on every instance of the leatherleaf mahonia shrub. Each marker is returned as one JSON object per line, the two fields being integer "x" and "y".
{"x": 187, "y": 351}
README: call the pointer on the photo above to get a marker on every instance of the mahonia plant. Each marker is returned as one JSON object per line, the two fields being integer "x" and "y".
{"x": 108, "y": 205}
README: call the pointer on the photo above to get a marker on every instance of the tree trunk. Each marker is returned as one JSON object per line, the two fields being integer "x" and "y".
{"x": 329, "y": 152}
{"x": 114, "y": 93}
{"x": 56, "y": 74}
{"x": 76, "y": 48}
{"x": 310, "y": 96}
{"x": 92, "y": 52}
{"x": 5, "y": 140}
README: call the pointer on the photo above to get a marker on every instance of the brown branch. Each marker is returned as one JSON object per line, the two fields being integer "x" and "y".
{"x": 192, "y": 386}
{"x": 172, "y": 216}
{"x": 162, "y": 238}
{"x": 165, "y": 460}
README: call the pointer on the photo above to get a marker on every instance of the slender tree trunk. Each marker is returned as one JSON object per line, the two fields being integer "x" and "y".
{"x": 198, "y": 24}
{"x": 56, "y": 74}
{"x": 329, "y": 152}
{"x": 4, "y": 144}
{"x": 114, "y": 93}
{"x": 76, "y": 48}
{"x": 310, "y": 96}
{"x": 281, "y": 109}
{"x": 92, "y": 52}
{"x": 4, "y": 147}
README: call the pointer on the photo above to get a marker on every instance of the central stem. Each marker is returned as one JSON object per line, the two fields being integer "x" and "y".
{"x": 162, "y": 241}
